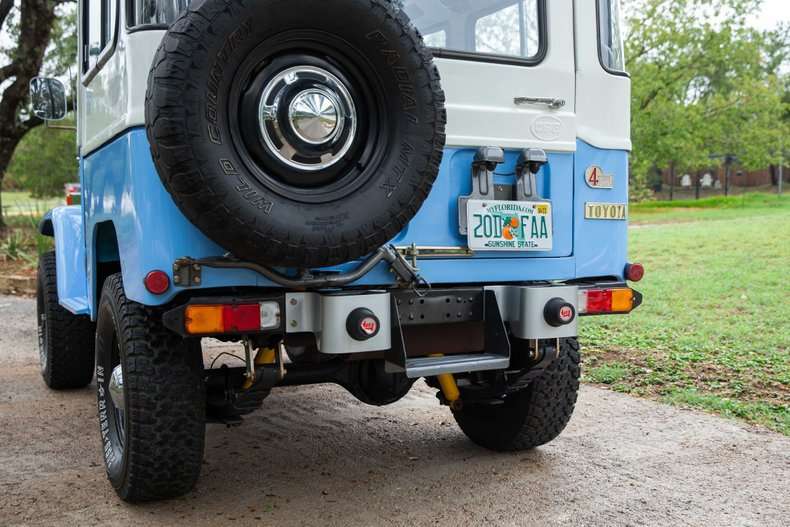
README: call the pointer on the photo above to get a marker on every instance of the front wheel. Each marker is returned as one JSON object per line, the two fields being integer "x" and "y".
{"x": 151, "y": 399}
{"x": 65, "y": 340}
{"x": 531, "y": 417}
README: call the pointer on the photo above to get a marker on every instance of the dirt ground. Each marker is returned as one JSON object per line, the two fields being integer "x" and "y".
{"x": 315, "y": 456}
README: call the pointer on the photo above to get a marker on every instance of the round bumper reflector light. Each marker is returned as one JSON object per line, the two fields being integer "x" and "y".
{"x": 634, "y": 272}
{"x": 157, "y": 282}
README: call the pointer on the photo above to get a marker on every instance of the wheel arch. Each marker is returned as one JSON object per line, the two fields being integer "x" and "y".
{"x": 45, "y": 226}
{"x": 65, "y": 225}
{"x": 105, "y": 259}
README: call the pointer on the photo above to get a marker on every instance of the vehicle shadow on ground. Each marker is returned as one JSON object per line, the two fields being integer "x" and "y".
{"x": 311, "y": 456}
{"x": 318, "y": 449}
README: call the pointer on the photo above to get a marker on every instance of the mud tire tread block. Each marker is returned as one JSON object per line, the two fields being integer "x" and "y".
{"x": 69, "y": 337}
{"x": 187, "y": 162}
{"x": 532, "y": 417}
{"x": 165, "y": 396}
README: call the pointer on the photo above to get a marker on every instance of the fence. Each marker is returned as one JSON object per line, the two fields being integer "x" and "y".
{"x": 714, "y": 182}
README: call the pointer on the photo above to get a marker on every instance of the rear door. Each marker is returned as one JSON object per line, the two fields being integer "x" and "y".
{"x": 507, "y": 68}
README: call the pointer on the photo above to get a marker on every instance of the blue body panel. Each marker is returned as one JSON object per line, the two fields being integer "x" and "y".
{"x": 600, "y": 246}
{"x": 122, "y": 188}
{"x": 70, "y": 257}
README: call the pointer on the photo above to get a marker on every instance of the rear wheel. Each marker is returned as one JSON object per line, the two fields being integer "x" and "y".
{"x": 531, "y": 417}
{"x": 151, "y": 399}
{"x": 65, "y": 341}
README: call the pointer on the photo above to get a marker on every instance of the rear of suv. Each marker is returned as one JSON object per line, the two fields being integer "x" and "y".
{"x": 358, "y": 192}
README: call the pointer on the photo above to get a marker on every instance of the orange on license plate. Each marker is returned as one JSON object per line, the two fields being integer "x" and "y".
{"x": 509, "y": 225}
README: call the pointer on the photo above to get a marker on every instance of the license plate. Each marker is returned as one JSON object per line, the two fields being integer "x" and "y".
{"x": 509, "y": 225}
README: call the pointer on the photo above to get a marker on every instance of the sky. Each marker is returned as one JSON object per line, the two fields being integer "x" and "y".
{"x": 773, "y": 12}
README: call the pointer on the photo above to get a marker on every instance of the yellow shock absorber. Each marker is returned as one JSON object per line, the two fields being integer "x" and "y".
{"x": 264, "y": 357}
{"x": 449, "y": 387}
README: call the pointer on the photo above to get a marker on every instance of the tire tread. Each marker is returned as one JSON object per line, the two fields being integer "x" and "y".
{"x": 70, "y": 338}
{"x": 165, "y": 401}
{"x": 533, "y": 417}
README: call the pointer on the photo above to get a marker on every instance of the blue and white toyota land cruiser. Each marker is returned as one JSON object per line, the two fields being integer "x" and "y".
{"x": 359, "y": 192}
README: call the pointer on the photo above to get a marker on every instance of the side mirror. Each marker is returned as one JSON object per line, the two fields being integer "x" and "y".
{"x": 49, "y": 98}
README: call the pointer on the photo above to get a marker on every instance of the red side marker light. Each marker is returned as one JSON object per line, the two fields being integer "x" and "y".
{"x": 157, "y": 282}
{"x": 634, "y": 272}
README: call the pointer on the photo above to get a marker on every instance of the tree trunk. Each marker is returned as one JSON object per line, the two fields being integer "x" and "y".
{"x": 698, "y": 183}
{"x": 671, "y": 181}
{"x": 36, "y": 19}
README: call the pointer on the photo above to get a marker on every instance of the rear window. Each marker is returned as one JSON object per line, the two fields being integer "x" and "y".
{"x": 509, "y": 29}
{"x": 155, "y": 12}
{"x": 610, "y": 28}
{"x": 486, "y": 28}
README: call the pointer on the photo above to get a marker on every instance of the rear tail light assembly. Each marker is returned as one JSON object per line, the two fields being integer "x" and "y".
{"x": 226, "y": 318}
{"x": 605, "y": 301}
{"x": 73, "y": 193}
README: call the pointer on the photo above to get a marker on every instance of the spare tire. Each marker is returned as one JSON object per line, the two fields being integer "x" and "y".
{"x": 296, "y": 133}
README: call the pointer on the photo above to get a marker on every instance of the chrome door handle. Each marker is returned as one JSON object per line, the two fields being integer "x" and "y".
{"x": 555, "y": 103}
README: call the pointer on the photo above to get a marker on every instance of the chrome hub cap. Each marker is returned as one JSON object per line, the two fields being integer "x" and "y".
{"x": 308, "y": 119}
{"x": 313, "y": 115}
{"x": 116, "y": 388}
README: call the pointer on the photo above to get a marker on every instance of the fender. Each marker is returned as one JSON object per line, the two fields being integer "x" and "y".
{"x": 65, "y": 224}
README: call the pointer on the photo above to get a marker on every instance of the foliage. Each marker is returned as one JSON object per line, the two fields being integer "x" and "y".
{"x": 44, "y": 161}
{"x": 42, "y": 36}
{"x": 713, "y": 329}
{"x": 704, "y": 83}
{"x": 21, "y": 245}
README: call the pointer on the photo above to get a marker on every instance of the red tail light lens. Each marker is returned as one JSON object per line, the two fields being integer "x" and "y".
{"x": 599, "y": 301}
{"x": 241, "y": 318}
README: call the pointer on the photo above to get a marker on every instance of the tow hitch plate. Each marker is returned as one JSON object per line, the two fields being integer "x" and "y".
{"x": 509, "y": 225}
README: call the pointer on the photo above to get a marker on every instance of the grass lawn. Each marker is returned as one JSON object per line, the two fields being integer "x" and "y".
{"x": 23, "y": 204}
{"x": 714, "y": 331}
{"x": 715, "y": 208}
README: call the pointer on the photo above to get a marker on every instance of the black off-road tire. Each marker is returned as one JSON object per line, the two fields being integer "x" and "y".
{"x": 161, "y": 450}
{"x": 242, "y": 202}
{"x": 65, "y": 340}
{"x": 532, "y": 417}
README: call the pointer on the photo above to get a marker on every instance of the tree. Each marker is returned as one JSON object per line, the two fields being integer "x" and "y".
{"x": 31, "y": 24}
{"x": 44, "y": 161}
{"x": 704, "y": 82}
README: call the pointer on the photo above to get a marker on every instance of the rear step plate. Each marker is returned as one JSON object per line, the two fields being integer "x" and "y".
{"x": 443, "y": 309}
{"x": 432, "y": 366}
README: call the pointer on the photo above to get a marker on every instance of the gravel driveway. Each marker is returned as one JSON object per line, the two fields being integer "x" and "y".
{"x": 315, "y": 456}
